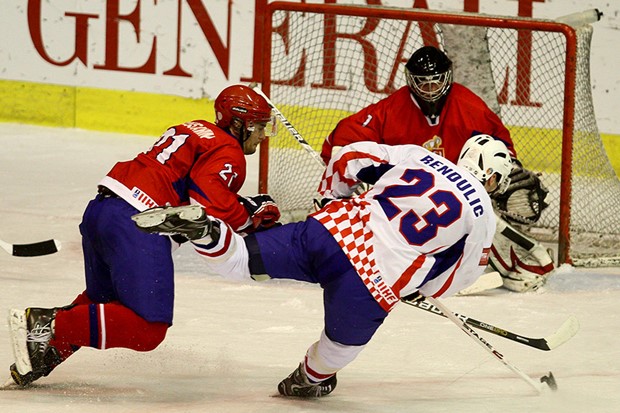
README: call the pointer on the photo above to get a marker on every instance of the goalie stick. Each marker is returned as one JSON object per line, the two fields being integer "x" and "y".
{"x": 566, "y": 331}
{"x": 34, "y": 249}
{"x": 547, "y": 379}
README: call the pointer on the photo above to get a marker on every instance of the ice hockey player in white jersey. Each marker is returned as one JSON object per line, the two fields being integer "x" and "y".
{"x": 425, "y": 226}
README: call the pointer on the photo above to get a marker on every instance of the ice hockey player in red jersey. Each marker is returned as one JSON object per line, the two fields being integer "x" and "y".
{"x": 437, "y": 113}
{"x": 441, "y": 115}
{"x": 129, "y": 296}
{"x": 425, "y": 226}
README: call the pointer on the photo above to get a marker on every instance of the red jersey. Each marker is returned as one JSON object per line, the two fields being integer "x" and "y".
{"x": 196, "y": 162}
{"x": 398, "y": 120}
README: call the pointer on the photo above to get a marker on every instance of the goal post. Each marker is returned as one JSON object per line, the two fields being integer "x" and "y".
{"x": 323, "y": 62}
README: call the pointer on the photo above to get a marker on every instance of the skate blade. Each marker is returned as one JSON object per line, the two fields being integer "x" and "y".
{"x": 18, "y": 330}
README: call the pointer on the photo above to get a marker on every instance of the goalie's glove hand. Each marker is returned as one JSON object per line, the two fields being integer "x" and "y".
{"x": 262, "y": 209}
{"x": 524, "y": 199}
{"x": 190, "y": 221}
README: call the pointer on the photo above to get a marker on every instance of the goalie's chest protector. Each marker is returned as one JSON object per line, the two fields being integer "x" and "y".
{"x": 424, "y": 226}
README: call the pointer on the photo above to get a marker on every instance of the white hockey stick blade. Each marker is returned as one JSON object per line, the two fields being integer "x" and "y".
{"x": 18, "y": 331}
{"x": 485, "y": 282}
{"x": 564, "y": 333}
{"x": 34, "y": 249}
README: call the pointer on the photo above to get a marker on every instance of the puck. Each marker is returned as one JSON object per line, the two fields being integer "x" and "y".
{"x": 550, "y": 380}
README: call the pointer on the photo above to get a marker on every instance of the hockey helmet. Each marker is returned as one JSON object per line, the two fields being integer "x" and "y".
{"x": 483, "y": 155}
{"x": 429, "y": 77}
{"x": 243, "y": 103}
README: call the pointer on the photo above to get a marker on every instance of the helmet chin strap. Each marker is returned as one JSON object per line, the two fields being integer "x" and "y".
{"x": 243, "y": 133}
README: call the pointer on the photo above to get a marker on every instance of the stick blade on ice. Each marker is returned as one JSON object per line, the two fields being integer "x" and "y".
{"x": 564, "y": 333}
{"x": 34, "y": 249}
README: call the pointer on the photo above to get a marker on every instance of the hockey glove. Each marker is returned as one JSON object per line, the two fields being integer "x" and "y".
{"x": 524, "y": 200}
{"x": 262, "y": 209}
{"x": 524, "y": 263}
{"x": 190, "y": 221}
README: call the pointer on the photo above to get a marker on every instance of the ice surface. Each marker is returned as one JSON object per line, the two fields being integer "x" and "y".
{"x": 231, "y": 343}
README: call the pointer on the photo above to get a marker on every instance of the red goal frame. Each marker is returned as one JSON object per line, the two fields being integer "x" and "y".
{"x": 471, "y": 19}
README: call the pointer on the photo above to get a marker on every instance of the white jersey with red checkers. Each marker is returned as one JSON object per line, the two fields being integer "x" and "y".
{"x": 425, "y": 225}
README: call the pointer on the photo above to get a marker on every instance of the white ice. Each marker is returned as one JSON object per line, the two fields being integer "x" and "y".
{"x": 231, "y": 343}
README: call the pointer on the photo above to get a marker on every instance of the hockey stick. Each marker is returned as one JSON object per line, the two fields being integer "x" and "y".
{"x": 548, "y": 379}
{"x": 34, "y": 249}
{"x": 486, "y": 282}
{"x": 566, "y": 331}
{"x": 288, "y": 125}
{"x": 295, "y": 133}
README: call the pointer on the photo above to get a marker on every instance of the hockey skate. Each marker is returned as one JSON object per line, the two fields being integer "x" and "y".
{"x": 190, "y": 221}
{"x": 297, "y": 384}
{"x": 30, "y": 333}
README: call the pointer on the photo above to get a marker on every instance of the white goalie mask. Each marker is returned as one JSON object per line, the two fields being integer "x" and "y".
{"x": 483, "y": 156}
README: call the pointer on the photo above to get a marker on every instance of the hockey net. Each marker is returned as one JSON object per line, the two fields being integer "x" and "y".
{"x": 325, "y": 61}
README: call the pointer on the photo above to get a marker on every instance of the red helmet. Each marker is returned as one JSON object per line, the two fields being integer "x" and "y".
{"x": 240, "y": 102}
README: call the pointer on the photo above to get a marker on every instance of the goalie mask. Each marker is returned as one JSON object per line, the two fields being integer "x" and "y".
{"x": 241, "y": 103}
{"x": 484, "y": 156}
{"x": 429, "y": 77}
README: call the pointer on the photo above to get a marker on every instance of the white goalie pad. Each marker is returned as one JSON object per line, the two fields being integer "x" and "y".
{"x": 18, "y": 333}
{"x": 523, "y": 262}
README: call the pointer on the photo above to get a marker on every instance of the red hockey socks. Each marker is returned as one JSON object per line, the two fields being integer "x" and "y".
{"x": 104, "y": 326}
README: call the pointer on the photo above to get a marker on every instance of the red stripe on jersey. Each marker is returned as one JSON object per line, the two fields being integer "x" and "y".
{"x": 340, "y": 166}
{"x": 408, "y": 274}
{"x": 448, "y": 282}
{"x": 201, "y": 249}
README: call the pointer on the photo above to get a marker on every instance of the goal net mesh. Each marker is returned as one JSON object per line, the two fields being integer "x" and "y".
{"x": 324, "y": 67}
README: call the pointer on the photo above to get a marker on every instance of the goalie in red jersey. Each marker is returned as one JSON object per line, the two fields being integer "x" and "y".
{"x": 440, "y": 115}
{"x": 129, "y": 296}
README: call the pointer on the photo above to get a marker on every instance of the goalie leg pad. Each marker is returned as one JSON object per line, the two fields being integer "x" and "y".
{"x": 523, "y": 262}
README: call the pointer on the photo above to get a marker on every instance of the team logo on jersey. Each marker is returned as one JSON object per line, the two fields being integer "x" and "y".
{"x": 484, "y": 259}
{"x": 435, "y": 145}
{"x": 143, "y": 198}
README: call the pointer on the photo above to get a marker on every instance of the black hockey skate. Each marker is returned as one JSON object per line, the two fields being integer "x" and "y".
{"x": 190, "y": 221}
{"x": 297, "y": 384}
{"x": 37, "y": 358}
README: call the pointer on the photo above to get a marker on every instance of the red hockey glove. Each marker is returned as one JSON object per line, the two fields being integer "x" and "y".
{"x": 262, "y": 209}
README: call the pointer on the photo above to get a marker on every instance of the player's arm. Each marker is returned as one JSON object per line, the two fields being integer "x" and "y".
{"x": 357, "y": 163}
{"x": 218, "y": 179}
{"x": 214, "y": 183}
